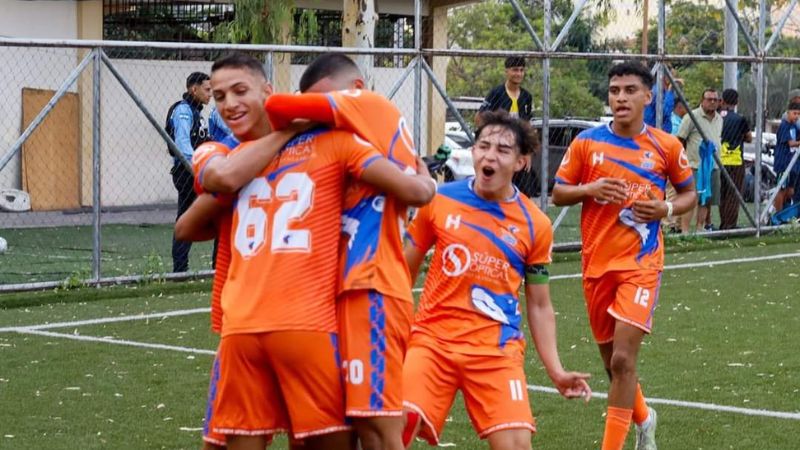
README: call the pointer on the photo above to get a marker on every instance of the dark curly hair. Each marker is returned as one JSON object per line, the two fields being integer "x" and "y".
{"x": 525, "y": 136}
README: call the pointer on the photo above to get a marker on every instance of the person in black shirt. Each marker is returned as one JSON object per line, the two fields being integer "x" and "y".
{"x": 511, "y": 97}
{"x": 735, "y": 132}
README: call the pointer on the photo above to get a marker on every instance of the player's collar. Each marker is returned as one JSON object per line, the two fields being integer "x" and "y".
{"x": 611, "y": 130}
{"x": 471, "y": 185}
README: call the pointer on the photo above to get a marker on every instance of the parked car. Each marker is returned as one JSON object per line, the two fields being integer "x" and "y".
{"x": 561, "y": 134}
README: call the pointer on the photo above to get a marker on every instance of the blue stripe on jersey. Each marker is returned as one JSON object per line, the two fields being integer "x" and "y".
{"x": 602, "y": 133}
{"x": 363, "y": 224}
{"x": 653, "y": 177}
{"x": 369, "y": 161}
{"x": 560, "y": 180}
{"x": 304, "y": 137}
{"x": 274, "y": 174}
{"x": 511, "y": 255}
{"x": 212, "y": 395}
{"x": 503, "y": 308}
{"x": 460, "y": 192}
{"x": 230, "y": 141}
{"x": 377, "y": 355}
{"x": 331, "y": 101}
{"x": 685, "y": 183}
{"x": 527, "y": 217}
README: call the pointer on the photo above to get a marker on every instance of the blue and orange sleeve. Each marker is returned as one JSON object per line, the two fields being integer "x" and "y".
{"x": 542, "y": 246}
{"x": 572, "y": 164}
{"x": 421, "y": 230}
{"x": 679, "y": 171}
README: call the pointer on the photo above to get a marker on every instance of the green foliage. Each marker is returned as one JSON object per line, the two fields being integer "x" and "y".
{"x": 495, "y": 25}
{"x": 258, "y": 22}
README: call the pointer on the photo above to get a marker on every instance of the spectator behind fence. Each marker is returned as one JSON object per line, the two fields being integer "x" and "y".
{"x": 217, "y": 129}
{"x": 668, "y": 106}
{"x": 185, "y": 126}
{"x": 735, "y": 132}
{"x": 794, "y": 97}
{"x": 785, "y": 148}
{"x": 711, "y": 123}
{"x": 512, "y": 97}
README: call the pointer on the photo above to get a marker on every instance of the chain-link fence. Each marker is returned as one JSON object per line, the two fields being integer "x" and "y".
{"x": 91, "y": 182}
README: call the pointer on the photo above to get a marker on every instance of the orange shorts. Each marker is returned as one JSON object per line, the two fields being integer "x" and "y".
{"x": 493, "y": 386}
{"x": 268, "y": 381}
{"x": 208, "y": 434}
{"x": 627, "y": 296}
{"x": 374, "y": 331}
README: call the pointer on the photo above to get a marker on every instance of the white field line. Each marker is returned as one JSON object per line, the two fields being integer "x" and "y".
{"x": 106, "y": 340}
{"x": 548, "y": 390}
{"x": 77, "y": 323}
{"x": 689, "y": 265}
{"x": 694, "y": 405}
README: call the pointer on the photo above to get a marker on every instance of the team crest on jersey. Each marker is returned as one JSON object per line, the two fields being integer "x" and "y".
{"x": 508, "y": 235}
{"x": 648, "y": 162}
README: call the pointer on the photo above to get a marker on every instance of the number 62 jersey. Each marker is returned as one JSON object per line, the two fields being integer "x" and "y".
{"x": 285, "y": 236}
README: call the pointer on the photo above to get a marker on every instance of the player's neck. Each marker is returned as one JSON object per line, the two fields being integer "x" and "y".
{"x": 512, "y": 87}
{"x": 255, "y": 133}
{"x": 628, "y": 130}
{"x": 499, "y": 195}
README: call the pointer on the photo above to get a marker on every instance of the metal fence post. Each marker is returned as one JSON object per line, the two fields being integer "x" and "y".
{"x": 96, "y": 173}
{"x": 760, "y": 87}
{"x": 452, "y": 107}
{"x": 399, "y": 83}
{"x": 418, "y": 76}
{"x": 544, "y": 175}
{"x": 662, "y": 21}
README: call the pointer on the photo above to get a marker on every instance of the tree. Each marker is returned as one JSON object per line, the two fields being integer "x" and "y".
{"x": 494, "y": 25}
{"x": 258, "y": 22}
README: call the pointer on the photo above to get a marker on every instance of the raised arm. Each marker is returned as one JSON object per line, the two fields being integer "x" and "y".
{"x": 198, "y": 223}
{"x": 414, "y": 190}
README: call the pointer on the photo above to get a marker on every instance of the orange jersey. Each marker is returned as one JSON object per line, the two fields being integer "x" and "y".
{"x": 611, "y": 239}
{"x": 373, "y": 222}
{"x": 200, "y": 159}
{"x": 470, "y": 299}
{"x": 285, "y": 233}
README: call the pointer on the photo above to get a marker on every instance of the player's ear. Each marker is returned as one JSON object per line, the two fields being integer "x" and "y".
{"x": 266, "y": 88}
{"x": 521, "y": 161}
{"x": 358, "y": 83}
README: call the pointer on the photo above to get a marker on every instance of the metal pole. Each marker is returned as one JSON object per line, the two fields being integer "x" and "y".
{"x": 527, "y": 24}
{"x": 62, "y": 90}
{"x": 717, "y": 161}
{"x": 662, "y": 21}
{"x": 561, "y": 215}
{"x": 96, "y": 175}
{"x": 777, "y": 31}
{"x": 750, "y": 44}
{"x": 418, "y": 77}
{"x": 399, "y": 83}
{"x": 760, "y": 87}
{"x": 446, "y": 98}
{"x": 269, "y": 67}
{"x": 731, "y": 48}
{"x": 544, "y": 174}
{"x": 567, "y": 26}
{"x": 138, "y": 101}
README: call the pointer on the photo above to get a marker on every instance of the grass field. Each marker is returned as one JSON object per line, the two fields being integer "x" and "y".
{"x": 723, "y": 341}
{"x": 65, "y": 253}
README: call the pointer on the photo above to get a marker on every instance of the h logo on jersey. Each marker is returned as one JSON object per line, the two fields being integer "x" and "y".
{"x": 452, "y": 221}
{"x": 597, "y": 158}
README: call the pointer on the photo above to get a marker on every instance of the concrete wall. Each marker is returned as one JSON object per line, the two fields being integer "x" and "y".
{"x": 39, "y": 19}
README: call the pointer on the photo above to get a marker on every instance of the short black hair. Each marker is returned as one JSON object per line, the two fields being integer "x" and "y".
{"x": 525, "y": 135}
{"x": 238, "y": 60}
{"x": 794, "y": 106}
{"x": 632, "y": 68}
{"x": 196, "y": 78}
{"x": 325, "y": 66}
{"x": 515, "y": 61}
{"x": 730, "y": 97}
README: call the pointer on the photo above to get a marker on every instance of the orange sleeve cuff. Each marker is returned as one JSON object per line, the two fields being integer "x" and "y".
{"x": 282, "y": 109}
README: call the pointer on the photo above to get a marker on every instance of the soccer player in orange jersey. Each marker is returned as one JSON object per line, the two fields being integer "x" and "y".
{"x": 488, "y": 238}
{"x": 278, "y": 365}
{"x": 619, "y": 173}
{"x": 375, "y": 303}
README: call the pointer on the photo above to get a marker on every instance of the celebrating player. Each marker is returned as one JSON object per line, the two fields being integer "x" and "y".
{"x": 375, "y": 303}
{"x": 466, "y": 335}
{"x": 619, "y": 173}
{"x": 278, "y": 359}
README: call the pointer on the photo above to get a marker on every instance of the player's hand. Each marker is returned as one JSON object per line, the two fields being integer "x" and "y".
{"x": 573, "y": 385}
{"x": 645, "y": 211}
{"x": 608, "y": 190}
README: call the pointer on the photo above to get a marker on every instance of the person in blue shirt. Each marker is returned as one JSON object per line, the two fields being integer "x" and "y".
{"x": 218, "y": 131}
{"x": 668, "y": 107}
{"x": 185, "y": 125}
{"x": 787, "y": 145}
